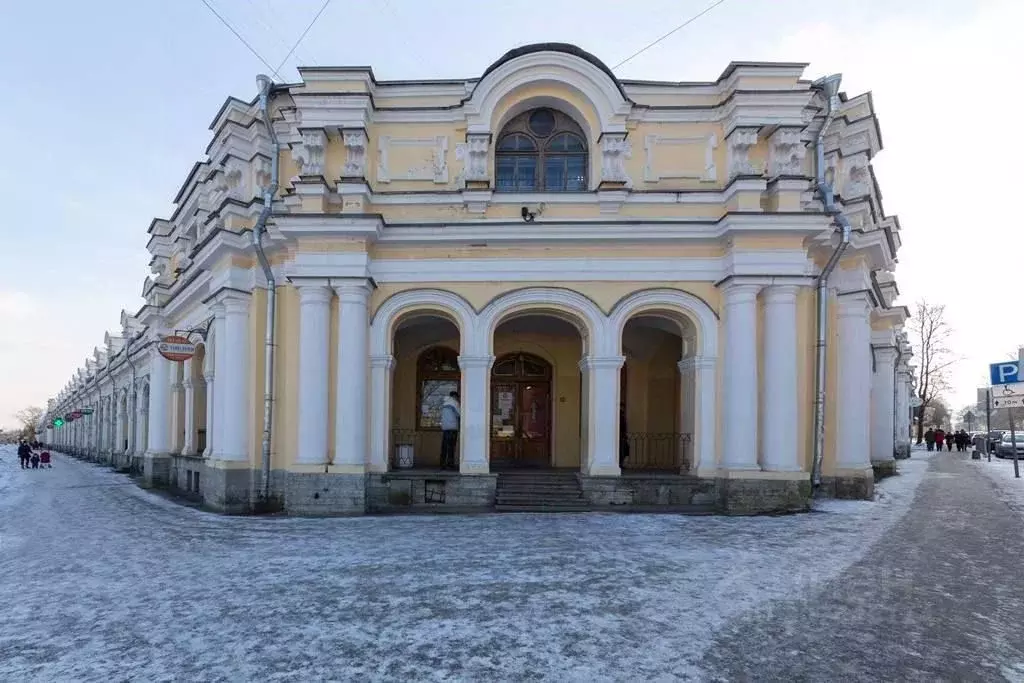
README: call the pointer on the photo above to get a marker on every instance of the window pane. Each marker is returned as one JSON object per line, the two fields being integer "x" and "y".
{"x": 542, "y": 122}
{"x": 432, "y": 395}
{"x": 516, "y": 142}
{"x": 566, "y": 142}
{"x": 563, "y": 173}
{"x": 516, "y": 173}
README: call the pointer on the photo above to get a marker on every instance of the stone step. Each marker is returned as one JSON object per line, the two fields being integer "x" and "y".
{"x": 502, "y": 498}
{"x": 542, "y": 508}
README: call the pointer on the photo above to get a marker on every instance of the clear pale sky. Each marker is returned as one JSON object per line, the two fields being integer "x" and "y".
{"x": 106, "y": 106}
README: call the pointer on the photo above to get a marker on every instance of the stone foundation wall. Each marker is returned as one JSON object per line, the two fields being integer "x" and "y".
{"x": 650, "y": 491}
{"x": 226, "y": 490}
{"x": 187, "y": 476}
{"x": 764, "y": 496}
{"x": 322, "y": 494}
{"x": 156, "y": 470}
{"x": 848, "y": 488}
{"x": 438, "y": 492}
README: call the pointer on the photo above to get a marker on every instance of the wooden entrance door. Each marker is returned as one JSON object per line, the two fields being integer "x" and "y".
{"x": 521, "y": 412}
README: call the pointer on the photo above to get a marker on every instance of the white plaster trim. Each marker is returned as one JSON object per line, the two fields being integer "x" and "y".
{"x": 693, "y": 308}
{"x": 382, "y": 326}
{"x": 582, "y": 312}
{"x": 708, "y": 174}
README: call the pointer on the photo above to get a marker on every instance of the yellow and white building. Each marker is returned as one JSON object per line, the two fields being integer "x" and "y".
{"x": 618, "y": 277}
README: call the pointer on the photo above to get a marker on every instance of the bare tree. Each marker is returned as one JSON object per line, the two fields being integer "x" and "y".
{"x": 29, "y": 419}
{"x": 930, "y": 334}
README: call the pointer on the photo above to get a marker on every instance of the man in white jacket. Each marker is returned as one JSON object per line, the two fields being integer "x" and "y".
{"x": 450, "y": 416}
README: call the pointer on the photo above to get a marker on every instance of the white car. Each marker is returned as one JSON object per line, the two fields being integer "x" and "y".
{"x": 1005, "y": 447}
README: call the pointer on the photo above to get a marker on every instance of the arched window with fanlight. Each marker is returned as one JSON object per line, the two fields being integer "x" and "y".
{"x": 541, "y": 150}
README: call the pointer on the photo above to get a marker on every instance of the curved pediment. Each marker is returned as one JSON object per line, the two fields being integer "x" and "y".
{"x": 557, "y": 65}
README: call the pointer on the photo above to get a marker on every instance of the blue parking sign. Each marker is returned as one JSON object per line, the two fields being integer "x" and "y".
{"x": 1006, "y": 372}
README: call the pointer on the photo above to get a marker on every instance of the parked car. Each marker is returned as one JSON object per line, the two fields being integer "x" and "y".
{"x": 1005, "y": 448}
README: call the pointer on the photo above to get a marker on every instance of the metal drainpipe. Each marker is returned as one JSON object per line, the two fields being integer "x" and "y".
{"x": 259, "y": 230}
{"x": 829, "y": 86}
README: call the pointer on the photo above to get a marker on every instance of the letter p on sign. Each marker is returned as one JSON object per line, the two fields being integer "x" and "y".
{"x": 1004, "y": 373}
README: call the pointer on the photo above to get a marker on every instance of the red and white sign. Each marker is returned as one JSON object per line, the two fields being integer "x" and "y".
{"x": 176, "y": 348}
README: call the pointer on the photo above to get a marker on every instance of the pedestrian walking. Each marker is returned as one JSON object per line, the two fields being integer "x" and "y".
{"x": 24, "y": 453}
{"x": 929, "y": 438}
{"x": 450, "y": 416}
{"x": 35, "y": 461}
{"x": 949, "y": 441}
{"x": 940, "y": 438}
{"x": 958, "y": 440}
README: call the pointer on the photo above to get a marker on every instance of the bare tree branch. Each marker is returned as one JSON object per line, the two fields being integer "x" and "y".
{"x": 930, "y": 334}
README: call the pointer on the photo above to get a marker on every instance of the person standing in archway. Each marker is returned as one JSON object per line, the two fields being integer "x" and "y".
{"x": 451, "y": 413}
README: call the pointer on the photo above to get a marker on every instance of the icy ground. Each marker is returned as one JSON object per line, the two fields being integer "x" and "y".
{"x": 101, "y": 581}
{"x": 1010, "y": 489}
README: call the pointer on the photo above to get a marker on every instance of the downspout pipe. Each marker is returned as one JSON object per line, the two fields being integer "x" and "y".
{"x": 135, "y": 400}
{"x": 895, "y": 398}
{"x": 829, "y": 87}
{"x": 266, "y": 86}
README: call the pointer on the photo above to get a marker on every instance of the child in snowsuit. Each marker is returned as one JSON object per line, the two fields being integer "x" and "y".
{"x": 35, "y": 461}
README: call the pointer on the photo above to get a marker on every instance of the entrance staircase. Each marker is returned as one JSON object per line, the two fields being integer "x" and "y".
{"x": 539, "y": 491}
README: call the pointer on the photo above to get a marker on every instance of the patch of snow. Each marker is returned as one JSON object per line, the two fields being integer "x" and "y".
{"x": 1000, "y": 472}
{"x": 123, "y": 584}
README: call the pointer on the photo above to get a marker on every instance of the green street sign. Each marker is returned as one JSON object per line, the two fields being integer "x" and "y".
{"x": 58, "y": 422}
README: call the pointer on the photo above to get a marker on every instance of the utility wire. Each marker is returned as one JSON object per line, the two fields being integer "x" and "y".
{"x": 244, "y": 41}
{"x": 303, "y": 36}
{"x": 277, "y": 36}
{"x": 677, "y": 28}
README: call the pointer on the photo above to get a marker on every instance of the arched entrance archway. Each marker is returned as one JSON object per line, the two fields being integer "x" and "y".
{"x": 521, "y": 411}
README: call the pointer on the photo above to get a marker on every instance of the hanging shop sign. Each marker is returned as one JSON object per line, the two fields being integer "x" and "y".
{"x": 86, "y": 411}
{"x": 175, "y": 348}
{"x": 75, "y": 414}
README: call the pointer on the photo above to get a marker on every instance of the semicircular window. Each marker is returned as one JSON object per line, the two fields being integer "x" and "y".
{"x": 541, "y": 150}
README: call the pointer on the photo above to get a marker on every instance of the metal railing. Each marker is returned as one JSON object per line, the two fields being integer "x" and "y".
{"x": 655, "y": 452}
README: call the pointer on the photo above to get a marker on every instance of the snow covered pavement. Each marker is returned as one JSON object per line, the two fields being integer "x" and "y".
{"x": 1000, "y": 471}
{"x": 103, "y": 581}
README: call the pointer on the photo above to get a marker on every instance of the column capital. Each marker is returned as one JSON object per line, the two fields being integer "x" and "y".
{"x": 854, "y": 305}
{"x": 187, "y": 384}
{"x": 468, "y": 362}
{"x": 696, "y": 363}
{"x": 781, "y": 294}
{"x": 739, "y": 291}
{"x": 354, "y": 291}
{"x": 208, "y": 375}
{"x": 599, "y": 362}
{"x": 313, "y": 292}
{"x": 884, "y": 354}
{"x": 386, "y": 362}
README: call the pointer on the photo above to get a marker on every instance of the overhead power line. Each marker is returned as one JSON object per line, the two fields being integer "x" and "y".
{"x": 244, "y": 41}
{"x": 258, "y": 14}
{"x": 676, "y": 29}
{"x": 303, "y": 36}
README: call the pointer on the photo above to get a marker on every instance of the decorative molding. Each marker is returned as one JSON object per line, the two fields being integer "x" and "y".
{"x": 355, "y": 142}
{"x": 473, "y": 155}
{"x": 309, "y": 153}
{"x": 436, "y": 169}
{"x": 708, "y": 174}
{"x": 738, "y": 147}
{"x": 615, "y": 149}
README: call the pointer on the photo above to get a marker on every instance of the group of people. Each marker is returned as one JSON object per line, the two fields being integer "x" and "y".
{"x": 937, "y": 437}
{"x": 30, "y": 459}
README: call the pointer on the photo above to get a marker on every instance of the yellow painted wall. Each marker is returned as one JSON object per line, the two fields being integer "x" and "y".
{"x": 286, "y": 370}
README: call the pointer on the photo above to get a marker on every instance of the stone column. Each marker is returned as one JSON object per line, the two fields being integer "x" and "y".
{"x": 474, "y": 427}
{"x": 208, "y": 377}
{"x": 780, "y": 417}
{"x": 853, "y": 383}
{"x": 739, "y": 385}
{"x": 883, "y": 395}
{"x": 699, "y": 373}
{"x": 177, "y": 426}
{"x": 602, "y": 384}
{"x": 115, "y": 441}
{"x": 233, "y": 380}
{"x": 159, "y": 406}
{"x": 314, "y": 374}
{"x": 381, "y": 380}
{"x": 188, "y": 445}
{"x": 141, "y": 417}
{"x": 156, "y": 463}
{"x": 219, "y": 352}
{"x": 350, "y": 443}
{"x": 132, "y": 437}
{"x": 902, "y": 419}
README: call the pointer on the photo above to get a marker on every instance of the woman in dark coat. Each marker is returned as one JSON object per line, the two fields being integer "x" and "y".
{"x": 949, "y": 441}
